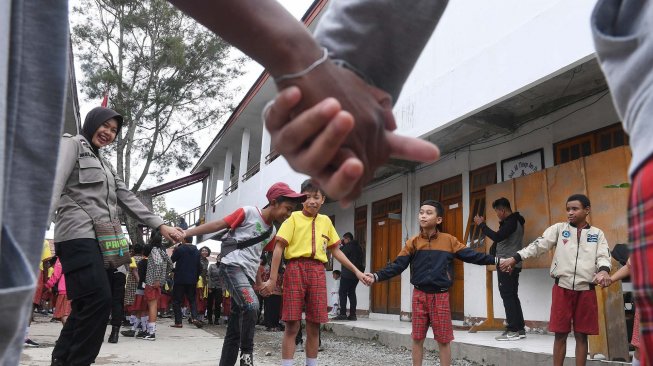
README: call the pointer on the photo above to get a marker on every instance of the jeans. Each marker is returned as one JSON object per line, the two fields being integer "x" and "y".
{"x": 33, "y": 78}
{"x": 508, "y": 288}
{"x": 348, "y": 290}
{"x": 178, "y": 293}
{"x": 244, "y": 313}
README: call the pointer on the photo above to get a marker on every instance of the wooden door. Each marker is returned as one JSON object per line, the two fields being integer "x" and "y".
{"x": 453, "y": 224}
{"x": 386, "y": 244}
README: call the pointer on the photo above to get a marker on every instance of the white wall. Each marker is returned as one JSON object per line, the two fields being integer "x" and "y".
{"x": 486, "y": 51}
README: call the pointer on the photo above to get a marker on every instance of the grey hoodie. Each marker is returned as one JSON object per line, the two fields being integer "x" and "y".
{"x": 624, "y": 45}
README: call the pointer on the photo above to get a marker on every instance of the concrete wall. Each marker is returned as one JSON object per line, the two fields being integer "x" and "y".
{"x": 483, "y": 52}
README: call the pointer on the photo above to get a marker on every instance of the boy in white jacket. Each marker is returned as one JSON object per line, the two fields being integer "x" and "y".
{"x": 581, "y": 260}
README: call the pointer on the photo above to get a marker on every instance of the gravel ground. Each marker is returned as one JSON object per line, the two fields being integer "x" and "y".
{"x": 338, "y": 351}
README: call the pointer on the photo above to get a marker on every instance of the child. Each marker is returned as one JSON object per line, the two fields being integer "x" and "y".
{"x": 335, "y": 291}
{"x": 158, "y": 267}
{"x": 130, "y": 290}
{"x": 581, "y": 251}
{"x": 62, "y": 307}
{"x": 250, "y": 229}
{"x": 139, "y": 306}
{"x": 304, "y": 239}
{"x": 430, "y": 255}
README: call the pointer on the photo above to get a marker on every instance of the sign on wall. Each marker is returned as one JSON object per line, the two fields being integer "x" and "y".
{"x": 522, "y": 165}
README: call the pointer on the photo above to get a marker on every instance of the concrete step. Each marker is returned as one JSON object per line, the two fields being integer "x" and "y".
{"x": 479, "y": 347}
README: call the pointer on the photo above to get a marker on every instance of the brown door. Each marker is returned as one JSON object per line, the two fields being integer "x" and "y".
{"x": 453, "y": 224}
{"x": 386, "y": 244}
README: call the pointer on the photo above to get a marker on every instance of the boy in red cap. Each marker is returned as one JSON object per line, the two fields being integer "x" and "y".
{"x": 249, "y": 230}
{"x": 304, "y": 240}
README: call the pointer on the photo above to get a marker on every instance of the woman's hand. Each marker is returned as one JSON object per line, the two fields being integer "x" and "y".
{"x": 172, "y": 234}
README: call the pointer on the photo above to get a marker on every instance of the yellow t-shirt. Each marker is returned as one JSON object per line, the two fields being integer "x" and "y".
{"x": 307, "y": 237}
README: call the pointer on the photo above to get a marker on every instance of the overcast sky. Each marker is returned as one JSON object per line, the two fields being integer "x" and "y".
{"x": 190, "y": 197}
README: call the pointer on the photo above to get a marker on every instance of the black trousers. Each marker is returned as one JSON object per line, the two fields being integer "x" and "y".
{"x": 178, "y": 293}
{"x": 348, "y": 290}
{"x": 272, "y": 313}
{"x": 117, "y": 282}
{"x": 508, "y": 288}
{"x": 214, "y": 304}
{"x": 87, "y": 286}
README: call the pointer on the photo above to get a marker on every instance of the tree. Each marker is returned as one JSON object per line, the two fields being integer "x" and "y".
{"x": 165, "y": 74}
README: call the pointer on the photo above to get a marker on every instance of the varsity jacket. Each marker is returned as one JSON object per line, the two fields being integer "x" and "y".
{"x": 575, "y": 261}
{"x": 431, "y": 260}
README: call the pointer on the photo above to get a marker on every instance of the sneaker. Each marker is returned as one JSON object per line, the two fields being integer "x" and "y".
{"x": 141, "y": 334}
{"x": 128, "y": 333}
{"x": 341, "y": 317}
{"x": 352, "y": 317}
{"x": 150, "y": 337}
{"x": 522, "y": 334}
{"x": 246, "y": 359}
{"x": 31, "y": 343}
{"x": 299, "y": 347}
{"x": 508, "y": 336}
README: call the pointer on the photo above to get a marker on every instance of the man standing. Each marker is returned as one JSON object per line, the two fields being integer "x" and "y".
{"x": 187, "y": 270}
{"x": 507, "y": 241}
{"x": 348, "y": 280}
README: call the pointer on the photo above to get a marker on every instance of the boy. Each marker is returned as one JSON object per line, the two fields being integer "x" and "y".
{"x": 249, "y": 230}
{"x": 304, "y": 239}
{"x": 430, "y": 255}
{"x": 507, "y": 241}
{"x": 335, "y": 293}
{"x": 581, "y": 252}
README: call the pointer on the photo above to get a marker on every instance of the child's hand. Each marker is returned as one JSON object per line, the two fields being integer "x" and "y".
{"x": 267, "y": 288}
{"x": 367, "y": 279}
{"x": 506, "y": 264}
{"x": 602, "y": 279}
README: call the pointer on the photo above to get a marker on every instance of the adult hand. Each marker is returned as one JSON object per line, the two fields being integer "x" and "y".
{"x": 479, "y": 220}
{"x": 315, "y": 141}
{"x": 170, "y": 233}
{"x": 506, "y": 264}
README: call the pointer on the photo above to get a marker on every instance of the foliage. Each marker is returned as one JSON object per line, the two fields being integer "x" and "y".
{"x": 165, "y": 74}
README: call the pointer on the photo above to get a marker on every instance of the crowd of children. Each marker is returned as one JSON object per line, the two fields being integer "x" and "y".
{"x": 282, "y": 271}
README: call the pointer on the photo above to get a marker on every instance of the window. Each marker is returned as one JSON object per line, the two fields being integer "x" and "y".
{"x": 478, "y": 180}
{"x": 590, "y": 143}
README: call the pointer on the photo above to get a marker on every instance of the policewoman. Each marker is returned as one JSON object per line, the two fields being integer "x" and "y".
{"x": 86, "y": 194}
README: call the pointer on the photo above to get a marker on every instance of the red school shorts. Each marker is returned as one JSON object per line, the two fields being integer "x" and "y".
{"x": 432, "y": 309}
{"x": 140, "y": 304}
{"x": 304, "y": 288}
{"x": 577, "y": 307}
{"x": 152, "y": 293}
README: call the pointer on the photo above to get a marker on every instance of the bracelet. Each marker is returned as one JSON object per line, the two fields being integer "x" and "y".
{"x": 310, "y": 68}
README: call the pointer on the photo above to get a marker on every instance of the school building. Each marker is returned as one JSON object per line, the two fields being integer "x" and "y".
{"x": 512, "y": 94}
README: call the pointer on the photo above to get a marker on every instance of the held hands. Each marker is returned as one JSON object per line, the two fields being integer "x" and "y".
{"x": 602, "y": 279}
{"x": 267, "y": 288}
{"x": 172, "y": 234}
{"x": 367, "y": 279}
{"x": 506, "y": 264}
{"x": 350, "y": 136}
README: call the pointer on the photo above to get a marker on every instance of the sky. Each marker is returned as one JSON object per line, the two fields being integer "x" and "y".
{"x": 190, "y": 197}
